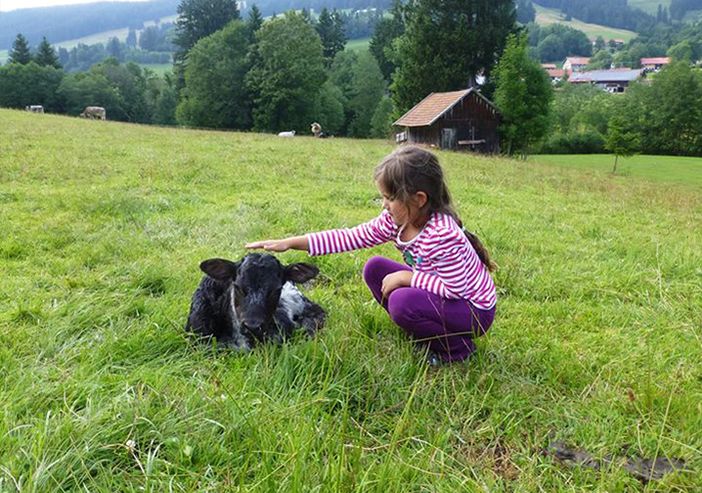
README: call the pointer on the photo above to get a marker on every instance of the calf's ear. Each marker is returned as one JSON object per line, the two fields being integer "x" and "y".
{"x": 219, "y": 268}
{"x": 300, "y": 272}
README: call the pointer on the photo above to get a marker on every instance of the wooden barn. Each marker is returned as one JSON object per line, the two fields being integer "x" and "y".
{"x": 458, "y": 120}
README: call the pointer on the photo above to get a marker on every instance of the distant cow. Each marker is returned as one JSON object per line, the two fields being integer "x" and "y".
{"x": 35, "y": 108}
{"x": 254, "y": 300}
{"x": 94, "y": 113}
{"x": 291, "y": 133}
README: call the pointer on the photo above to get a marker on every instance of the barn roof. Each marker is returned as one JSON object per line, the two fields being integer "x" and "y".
{"x": 432, "y": 107}
{"x": 612, "y": 75}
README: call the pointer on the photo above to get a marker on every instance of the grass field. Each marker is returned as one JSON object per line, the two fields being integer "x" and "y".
{"x": 597, "y": 341}
{"x": 650, "y": 6}
{"x": 664, "y": 169}
{"x": 545, "y": 16}
{"x": 358, "y": 44}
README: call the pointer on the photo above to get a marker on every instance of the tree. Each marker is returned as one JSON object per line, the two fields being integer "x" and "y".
{"x": 368, "y": 88}
{"x": 196, "y": 20}
{"x": 329, "y": 108}
{"x": 288, "y": 74}
{"x": 20, "y": 51}
{"x": 525, "y": 12}
{"x": 200, "y": 18}
{"x": 150, "y": 39}
{"x": 25, "y": 84}
{"x": 215, "y": 93}
{"x": 621, "y": 139}
{"x": 523, "y": 95}
{"x": 331, "y": 31}
{"x": 683, "y": 51}
{"x": 387, "y": 30}
{"x": 114, "y": 49}
{"x": 381, "y": 122}
{"x": 446, "y": 44}
{"x": 131, "y": 40}
{"x": 46, "y": 55}
{"x": 254, "y": 22}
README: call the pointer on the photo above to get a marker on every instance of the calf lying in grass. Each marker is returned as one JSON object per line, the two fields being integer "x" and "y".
{"x": 254, "y": 300}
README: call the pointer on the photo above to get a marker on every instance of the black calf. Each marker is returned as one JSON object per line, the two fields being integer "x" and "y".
{"x": 253, "y": 300}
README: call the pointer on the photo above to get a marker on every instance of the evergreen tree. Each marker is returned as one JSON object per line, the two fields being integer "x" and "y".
{"x": 200, "y": 18}
{"x": 523, "y": 95}
{"x": 131, "y": 40}
{"x": 114, "y": 49}
{"x": 46, "y": 55}
{"x": 254, "y": 23}
{"x": 331, "y": 31}
{"x": 525, "y": 11}
{"x": 387, "y": 30}
{"x": 20, "y": 51}
{"x": 446, "y": 44}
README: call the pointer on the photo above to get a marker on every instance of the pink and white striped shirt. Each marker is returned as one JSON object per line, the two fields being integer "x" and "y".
{"x": 441, "y": 257}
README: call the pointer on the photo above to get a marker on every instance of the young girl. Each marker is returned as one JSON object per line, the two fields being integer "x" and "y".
{"x": 444, "y": 296}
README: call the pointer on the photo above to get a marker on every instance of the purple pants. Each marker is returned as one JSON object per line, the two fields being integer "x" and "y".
{"x": 446, "y": 326}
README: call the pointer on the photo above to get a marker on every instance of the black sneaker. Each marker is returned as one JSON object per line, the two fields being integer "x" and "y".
{"x": 433, "y": 359}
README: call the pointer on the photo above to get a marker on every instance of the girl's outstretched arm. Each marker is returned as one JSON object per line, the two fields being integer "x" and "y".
{"x": 291, "y": 243}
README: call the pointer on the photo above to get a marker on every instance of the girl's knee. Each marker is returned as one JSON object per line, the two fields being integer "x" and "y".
{"x": 371, "y": 266}
{"x": 401, "y": 308}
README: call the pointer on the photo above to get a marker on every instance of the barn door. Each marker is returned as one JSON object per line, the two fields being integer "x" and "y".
{"x": 448, "y": 138}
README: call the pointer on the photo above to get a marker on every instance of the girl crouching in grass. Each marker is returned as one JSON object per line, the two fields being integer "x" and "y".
{"x": 443, "y": 296}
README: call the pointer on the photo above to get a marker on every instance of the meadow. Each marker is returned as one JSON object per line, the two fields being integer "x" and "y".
{"x": 546, "y": 16}
{"x": 666, "y": 169}
{"x": 597, "y": 340}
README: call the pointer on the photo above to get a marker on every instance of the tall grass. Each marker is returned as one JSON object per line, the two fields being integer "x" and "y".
{"x": 597, "y": 341}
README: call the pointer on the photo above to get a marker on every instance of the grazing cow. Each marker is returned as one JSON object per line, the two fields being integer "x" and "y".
{"x": 35, "y": 108}
{"x": 254, "y": 300}
{"x": 291, "y": 133}
{"x": 94, "y": 113}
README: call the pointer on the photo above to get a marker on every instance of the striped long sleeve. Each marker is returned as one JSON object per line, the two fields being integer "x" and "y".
{"x": 375, "y": 232}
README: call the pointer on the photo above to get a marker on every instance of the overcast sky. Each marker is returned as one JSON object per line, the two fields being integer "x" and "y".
{"x": 6, "y": 5}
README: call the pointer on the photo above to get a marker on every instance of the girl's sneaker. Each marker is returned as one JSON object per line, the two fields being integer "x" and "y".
{"x": 433, "y": 359}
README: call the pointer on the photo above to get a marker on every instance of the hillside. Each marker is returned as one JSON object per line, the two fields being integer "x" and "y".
{"x": 70, "y": 22}
{"x": 650, "y": 6}
{"x": 546, "y": 16}
{"x": 596, "y": 342}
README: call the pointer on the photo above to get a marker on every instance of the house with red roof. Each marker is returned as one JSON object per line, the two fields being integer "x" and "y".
{"x": 458, "y": 120}
{"x": 575, "y": 64}
{"x": 654, "y": 64}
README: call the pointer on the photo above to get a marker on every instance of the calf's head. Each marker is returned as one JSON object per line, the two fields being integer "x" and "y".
{"x": 256, "y": 282}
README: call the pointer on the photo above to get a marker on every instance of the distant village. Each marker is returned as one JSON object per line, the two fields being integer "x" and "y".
{"x": 614, "y": 80}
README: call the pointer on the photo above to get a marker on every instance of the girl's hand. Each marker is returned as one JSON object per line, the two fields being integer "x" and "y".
{"x": 270, "y": 245}
{"x": 399, "y": 279}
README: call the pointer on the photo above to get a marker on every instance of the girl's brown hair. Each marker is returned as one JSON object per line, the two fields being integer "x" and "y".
{"x": 411, "y": 169}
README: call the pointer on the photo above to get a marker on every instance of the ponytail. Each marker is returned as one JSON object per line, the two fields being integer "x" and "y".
{"x": 479, "y": 248}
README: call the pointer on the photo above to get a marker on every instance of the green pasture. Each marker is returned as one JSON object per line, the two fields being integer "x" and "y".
{"x": 662, "y": 169}
{"x": 159, "y": 68}
{"x": 597, "y": 341}
{"x": 358, "y": 44}
{"x": 650, "y": 6}
{"x": 546, "y": 16}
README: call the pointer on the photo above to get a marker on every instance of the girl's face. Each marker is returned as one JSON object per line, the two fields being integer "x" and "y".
{"x": 401, "y": 212}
